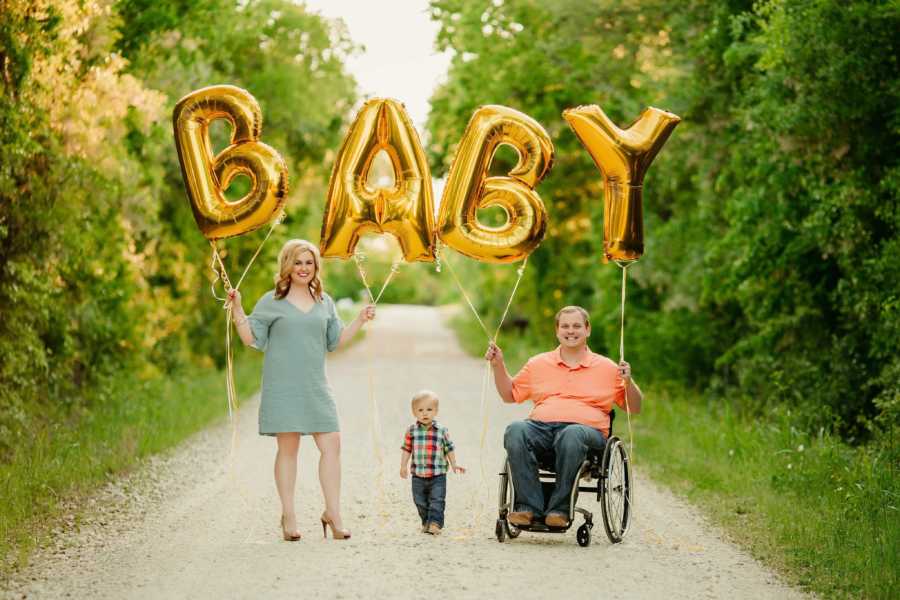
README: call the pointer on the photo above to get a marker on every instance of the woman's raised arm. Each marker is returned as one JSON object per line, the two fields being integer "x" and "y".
{"x": 366, "y": 314}
{"x": 240, "y": 318}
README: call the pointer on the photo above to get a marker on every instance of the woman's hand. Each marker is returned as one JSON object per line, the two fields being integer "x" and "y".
{"x": 494, "y": 354}
{"x": 367, "y": 313}
{"x": 234, "y": 297}
{"x": 625, "y": 371}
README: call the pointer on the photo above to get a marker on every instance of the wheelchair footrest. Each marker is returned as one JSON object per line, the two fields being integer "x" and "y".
{"x": 542, "y": 528}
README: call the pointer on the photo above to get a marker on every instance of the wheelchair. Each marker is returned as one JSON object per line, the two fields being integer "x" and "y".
{"x": 611, "y": 471}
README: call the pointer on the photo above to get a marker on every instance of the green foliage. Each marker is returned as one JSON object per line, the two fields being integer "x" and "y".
{"x": 65, "y": 459}
{"x": 102, "y": 269}
{"x": 771, "y": 216}
{"x": 823, "y": 512}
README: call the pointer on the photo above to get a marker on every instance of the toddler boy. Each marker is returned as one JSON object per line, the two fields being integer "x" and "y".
{"x": 429, "y": 446}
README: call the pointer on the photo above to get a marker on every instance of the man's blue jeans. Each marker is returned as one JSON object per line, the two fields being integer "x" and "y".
{"x": 563, "y": 444}
{"x": 429, "y": 494}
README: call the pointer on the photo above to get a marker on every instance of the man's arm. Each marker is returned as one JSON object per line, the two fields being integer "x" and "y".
{"x": 502, "y": 380}
{"x": 633, "y": 394}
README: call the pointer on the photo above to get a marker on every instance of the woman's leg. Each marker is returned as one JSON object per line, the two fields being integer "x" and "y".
{"x": 286, "y": 475}
{"x": 329, "y": 445}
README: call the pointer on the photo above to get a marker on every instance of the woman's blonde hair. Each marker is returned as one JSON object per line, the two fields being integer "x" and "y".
{"x": 289, "y": 253}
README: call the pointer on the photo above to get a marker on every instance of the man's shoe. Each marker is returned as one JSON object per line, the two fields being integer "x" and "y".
{"x": 523, "y": 517}
{"x": 556, "y": 519}
{"x": 434, "y": 529}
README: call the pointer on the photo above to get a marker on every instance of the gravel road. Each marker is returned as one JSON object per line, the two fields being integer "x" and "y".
{"x": 190, "y": 525}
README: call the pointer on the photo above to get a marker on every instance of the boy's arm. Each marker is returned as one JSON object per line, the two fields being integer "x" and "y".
{"x": 406, "y": 453}
{"x": 404, "y": 463}
{"x": 451, "y": 457}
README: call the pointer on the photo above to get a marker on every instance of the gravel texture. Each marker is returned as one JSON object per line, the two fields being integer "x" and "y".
{"x": 193, "y": 524}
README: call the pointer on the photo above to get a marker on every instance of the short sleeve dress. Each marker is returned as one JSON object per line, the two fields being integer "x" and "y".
{"x": 296, "y": 395}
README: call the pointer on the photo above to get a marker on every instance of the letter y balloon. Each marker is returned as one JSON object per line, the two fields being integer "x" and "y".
{"x": 623, "y": 157}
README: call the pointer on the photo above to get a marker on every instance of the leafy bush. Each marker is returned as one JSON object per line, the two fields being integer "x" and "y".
{"x": 771, "y": 216}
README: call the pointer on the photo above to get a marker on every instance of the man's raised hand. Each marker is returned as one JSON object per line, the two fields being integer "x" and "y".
{"x": 494, "y": 354}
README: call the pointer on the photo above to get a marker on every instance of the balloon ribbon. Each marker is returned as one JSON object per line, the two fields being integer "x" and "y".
{"x": 220, "y": 273}
{"x": 487, "y": 368}
{"x": 374, "y": 411}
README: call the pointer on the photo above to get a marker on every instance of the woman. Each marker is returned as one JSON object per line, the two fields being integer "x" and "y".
{"x": 295, "y": 324}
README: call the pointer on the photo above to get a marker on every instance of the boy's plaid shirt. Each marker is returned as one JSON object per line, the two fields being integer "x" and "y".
{"x": 429, "y": 447}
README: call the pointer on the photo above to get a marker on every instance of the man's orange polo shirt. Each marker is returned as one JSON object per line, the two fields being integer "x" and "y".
{"x": 582, "y": 394}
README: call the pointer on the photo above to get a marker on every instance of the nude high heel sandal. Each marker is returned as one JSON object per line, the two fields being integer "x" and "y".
{"x": 338, "y": 534}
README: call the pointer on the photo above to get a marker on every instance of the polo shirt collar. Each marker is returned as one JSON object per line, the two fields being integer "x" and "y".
{"x": 586, "y": 361}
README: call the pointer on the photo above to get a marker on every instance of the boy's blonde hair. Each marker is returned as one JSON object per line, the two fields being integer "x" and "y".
{"x": 423, "y": 395}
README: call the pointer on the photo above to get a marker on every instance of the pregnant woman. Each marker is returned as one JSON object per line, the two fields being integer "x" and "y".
{"x": 295, "y": 325}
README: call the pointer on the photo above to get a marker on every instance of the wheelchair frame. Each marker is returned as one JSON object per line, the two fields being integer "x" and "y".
{"x": 612, "y": 472}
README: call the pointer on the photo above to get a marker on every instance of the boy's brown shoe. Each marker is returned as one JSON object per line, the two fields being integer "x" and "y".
{"x": 523, "y": 517}
{"x": 434, "y": 529}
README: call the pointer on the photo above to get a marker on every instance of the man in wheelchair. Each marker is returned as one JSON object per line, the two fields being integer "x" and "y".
{"x": 573, "y": 390}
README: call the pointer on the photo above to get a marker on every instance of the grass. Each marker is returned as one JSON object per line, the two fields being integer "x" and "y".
{"x": 822, "y": 513}
{"x": 65, "y": 461}
{"x": 818, "y": 511}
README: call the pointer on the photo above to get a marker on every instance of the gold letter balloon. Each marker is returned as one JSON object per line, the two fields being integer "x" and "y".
{"x": 381, "y": 141}
{"x": 207, "y": 177}
{"x": 469, "y": 189}
{"x": 623, "y": 157}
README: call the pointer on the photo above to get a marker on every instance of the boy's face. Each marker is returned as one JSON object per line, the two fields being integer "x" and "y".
{"x": 425, "y": 410}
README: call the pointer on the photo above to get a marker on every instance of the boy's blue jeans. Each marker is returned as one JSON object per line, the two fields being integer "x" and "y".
{"x": 429, "y": 494}
{"x": 528, "y": 441}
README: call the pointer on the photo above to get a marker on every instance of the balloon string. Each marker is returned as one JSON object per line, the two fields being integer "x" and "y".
{"x": 374, "y": 411}
{"x": 621, "y": 359}
{"x": 221, "y": 274}
{"x": 359, "y": 258}
{"x": 622, "y": 312}
{"x": 218, "y": 269}
{"x": 377, "y": 436}
{"x": 468, "y": 301}
{"x": 275, "y": 223}
{"x": 520, "y": 271}
{"x": 479, "y": 509}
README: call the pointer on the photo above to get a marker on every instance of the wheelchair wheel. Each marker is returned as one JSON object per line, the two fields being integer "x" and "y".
{"x": 583, "y": 535}
{"x": 500, "y": 530}
{"x": 616, "y": 483}
{"x": 506, "y": 498}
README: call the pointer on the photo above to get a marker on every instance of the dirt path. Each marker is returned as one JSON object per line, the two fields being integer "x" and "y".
{"x": 187, "y": 526}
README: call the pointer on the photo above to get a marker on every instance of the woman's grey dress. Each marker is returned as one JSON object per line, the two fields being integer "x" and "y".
{"x": 296, "y": 395}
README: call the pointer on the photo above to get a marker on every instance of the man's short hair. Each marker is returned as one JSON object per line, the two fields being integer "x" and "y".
{"x": 569, "y": 309}
{"x": 423, "y": 395}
